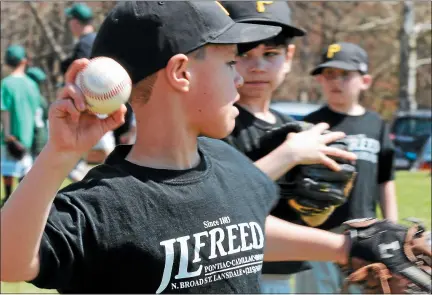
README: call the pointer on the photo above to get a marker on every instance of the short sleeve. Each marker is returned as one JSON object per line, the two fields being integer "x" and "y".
{"x": 69, "y": 242}
{"x": 386, "y": 158}
{"x": 6, "y": 99}
{"x": 83, "y": 50}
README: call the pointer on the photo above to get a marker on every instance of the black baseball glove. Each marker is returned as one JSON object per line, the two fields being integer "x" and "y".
{"x": 15, "y": 148}
{"x": 313, "y": 191}
{"x": 388, "y": 258}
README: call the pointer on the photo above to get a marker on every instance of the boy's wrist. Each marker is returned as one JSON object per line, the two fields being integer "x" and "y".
{"x": 66, "y": 157}
{"x": 291, "y": 155}
{"x": 344, "y": 252}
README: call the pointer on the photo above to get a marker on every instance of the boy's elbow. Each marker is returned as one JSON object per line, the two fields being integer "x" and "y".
{"x": 13, "y": 271}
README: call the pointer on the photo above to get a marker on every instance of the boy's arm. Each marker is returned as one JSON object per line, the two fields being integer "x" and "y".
{"x": 371, "y": 252}
{"x": 24, "y": 216}
{"x": 5, "y": 107}
{"x": 286, "y": 241}
{"x": 388, "y": 201}
{"x": 386, "y": 176}
{"x": 277, "y": 163}
{"x": 5, "y": 120}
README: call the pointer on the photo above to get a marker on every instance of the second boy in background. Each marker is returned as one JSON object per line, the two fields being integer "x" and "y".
{"x": 263, "y": 69}
{"x": 343, "y": 76}
{"x": 41, "y": 117}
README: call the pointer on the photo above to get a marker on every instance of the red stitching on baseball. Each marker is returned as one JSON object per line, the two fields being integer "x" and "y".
{"x": 107, "y": 95}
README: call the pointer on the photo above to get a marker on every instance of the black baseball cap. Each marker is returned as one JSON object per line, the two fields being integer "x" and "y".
{"x": 276, "y": 13}
{"x": 143, "y": 35}
{"x": 345, "y": 56}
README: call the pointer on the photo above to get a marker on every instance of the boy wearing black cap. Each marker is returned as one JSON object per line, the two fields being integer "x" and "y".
{"x": 263, "y": 69}
{"x": 80, "y": 18}
{"x": 343, "y": 76}
{"x": 20, "y": 98}
{"x": 80, "y": 24}
{"x": 175, "y": 212}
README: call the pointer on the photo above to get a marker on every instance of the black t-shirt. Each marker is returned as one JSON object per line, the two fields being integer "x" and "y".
{"x": 248, "y": 130}
{"x": 367, "y": 137}
{"x": 133, "y": 229}
{"x": 82, "y": 49}
{"x": 245, "y": 138}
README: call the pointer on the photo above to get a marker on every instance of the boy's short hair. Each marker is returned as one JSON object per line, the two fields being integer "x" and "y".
{"x": 142, "y": 90}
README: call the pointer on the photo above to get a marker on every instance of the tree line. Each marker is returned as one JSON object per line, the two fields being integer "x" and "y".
{"x": 379, "y": 27}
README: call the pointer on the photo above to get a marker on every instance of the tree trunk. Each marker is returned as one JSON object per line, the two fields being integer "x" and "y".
{"x": 408, "y": 59}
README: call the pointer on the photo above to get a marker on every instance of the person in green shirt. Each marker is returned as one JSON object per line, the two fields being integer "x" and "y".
{"x": 20, "y": 98}
{"x": 41, "y": 118}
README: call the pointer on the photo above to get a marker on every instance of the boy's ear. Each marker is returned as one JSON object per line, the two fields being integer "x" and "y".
{"x": 177, "y": 72}
{"x": 290, "y": 51}
{"x": 367, "y": 82}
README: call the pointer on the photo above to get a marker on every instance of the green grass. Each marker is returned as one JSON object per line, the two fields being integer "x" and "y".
{"x": 414, "y": 196}
{"x": 414, "y": 200}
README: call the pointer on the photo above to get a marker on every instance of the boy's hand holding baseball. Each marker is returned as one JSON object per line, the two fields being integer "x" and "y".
{"x": 72, "y": 128}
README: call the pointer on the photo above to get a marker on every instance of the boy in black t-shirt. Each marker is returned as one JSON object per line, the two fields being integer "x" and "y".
{"x": 80, "y": 22}
{"x": 263, "y": 68}
{"x": 343, "y": 75}
{"x": 175, "y": 212}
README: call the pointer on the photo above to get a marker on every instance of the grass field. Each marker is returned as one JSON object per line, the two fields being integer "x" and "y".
{"x": 414, "y": 200}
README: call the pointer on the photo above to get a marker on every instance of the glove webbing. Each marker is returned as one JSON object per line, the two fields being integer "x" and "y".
{"x": 421, "y": 280}
{"x": 415, "y": 274}
{"x": 378, "y": 271}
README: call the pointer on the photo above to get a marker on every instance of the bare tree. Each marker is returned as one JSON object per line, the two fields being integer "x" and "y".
{"x": 375, "y": 25}
{"x": 409, "y": 63}
{"x": 41, "y": 27}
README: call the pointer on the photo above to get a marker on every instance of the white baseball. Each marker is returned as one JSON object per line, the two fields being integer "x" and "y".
{"x": 105, "y": 85}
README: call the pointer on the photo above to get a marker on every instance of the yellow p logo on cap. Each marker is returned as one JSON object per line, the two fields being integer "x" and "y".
{"x": 332, "y": 49}
{"x": 260, "y": 5}
{"x": 223, "y": 8}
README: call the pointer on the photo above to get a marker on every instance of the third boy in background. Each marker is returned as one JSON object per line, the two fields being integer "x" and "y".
{"x": 343, "y": 76}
